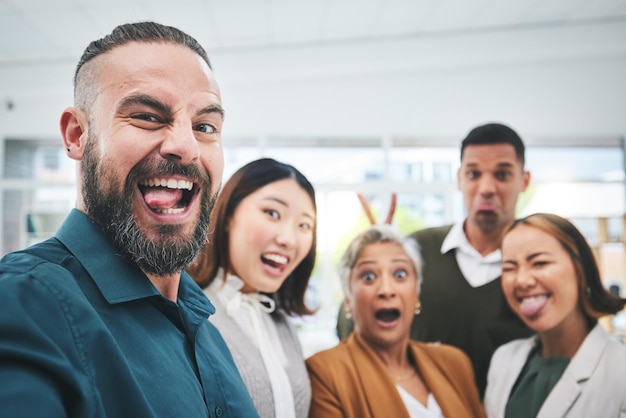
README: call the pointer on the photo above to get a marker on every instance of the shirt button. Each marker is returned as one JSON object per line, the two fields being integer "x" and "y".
{"x": 218, "y": 411}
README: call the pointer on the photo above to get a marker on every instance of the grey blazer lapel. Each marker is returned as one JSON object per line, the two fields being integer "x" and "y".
{"x": 562, "y": 397}
{"x": 581, "y": 367}
{"x": 515, "y": 364}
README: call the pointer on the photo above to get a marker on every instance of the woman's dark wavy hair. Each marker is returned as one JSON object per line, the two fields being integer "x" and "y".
{"x": 214, "y": 256}
{"x": 595, "y": 300}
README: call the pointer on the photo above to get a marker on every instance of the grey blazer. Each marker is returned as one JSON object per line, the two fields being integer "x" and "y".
{"x": 592, "y": 385}
{"x": 250, "y": 363}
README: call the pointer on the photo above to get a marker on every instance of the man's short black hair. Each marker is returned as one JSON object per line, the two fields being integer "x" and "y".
{"x": 495, "y": 133}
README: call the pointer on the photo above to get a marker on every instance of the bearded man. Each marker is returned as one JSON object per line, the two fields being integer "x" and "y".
{"x": 101, "y": 320}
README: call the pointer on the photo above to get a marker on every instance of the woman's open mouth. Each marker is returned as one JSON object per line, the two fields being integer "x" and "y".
{"x": 387, "y": 316}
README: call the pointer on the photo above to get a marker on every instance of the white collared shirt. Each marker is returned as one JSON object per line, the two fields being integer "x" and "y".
{"x": 476, "y": 269}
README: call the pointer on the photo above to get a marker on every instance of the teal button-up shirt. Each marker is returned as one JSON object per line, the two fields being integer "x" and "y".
{"x": 84, "y": 333}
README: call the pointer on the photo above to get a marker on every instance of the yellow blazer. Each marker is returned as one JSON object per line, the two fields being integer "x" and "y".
{"x": 350, "y": 380}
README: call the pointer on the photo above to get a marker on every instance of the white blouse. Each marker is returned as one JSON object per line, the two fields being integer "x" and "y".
{"x": 415, "y": 407}
{"x": 251, "y": 312}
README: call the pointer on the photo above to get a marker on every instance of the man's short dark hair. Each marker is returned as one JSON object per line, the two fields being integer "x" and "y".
{"x": 122, "y": 35}
{"x": 495, "y": 133}
{"x": 140, "y": 32}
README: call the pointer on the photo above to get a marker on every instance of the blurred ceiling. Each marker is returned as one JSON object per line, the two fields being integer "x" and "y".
{"x": 51, "y": 31}
{"x": 321, "y": 68}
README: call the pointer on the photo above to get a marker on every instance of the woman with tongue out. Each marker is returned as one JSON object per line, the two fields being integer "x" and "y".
{"x": 377, "y": 371}
{"x": 572, "y": 368}
{"x": 255, "y": 270}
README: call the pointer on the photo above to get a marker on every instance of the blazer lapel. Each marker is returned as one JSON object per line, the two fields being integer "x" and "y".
{"x": 582, "y": 365}
{"x": 377, "y": 384}
{"x": 444, "y": 393}
{"x": 511, "y": 371}
{"x": 562, "y": 397}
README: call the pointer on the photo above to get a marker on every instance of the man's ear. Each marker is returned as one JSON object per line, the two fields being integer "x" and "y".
{"x": 525, "y": 180}
{"x": 74, "y": 127}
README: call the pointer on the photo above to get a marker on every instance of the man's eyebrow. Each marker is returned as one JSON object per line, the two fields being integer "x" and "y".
{"x": 145, "y": 100}
{"x": 215, "y": 108}
{"x": 505, "y": 165}
{"x": 501, "y": 165}
{"x": 149, "y": 101}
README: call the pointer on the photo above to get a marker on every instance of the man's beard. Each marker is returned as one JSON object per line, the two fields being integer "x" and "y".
{"x": 172, "y": 251}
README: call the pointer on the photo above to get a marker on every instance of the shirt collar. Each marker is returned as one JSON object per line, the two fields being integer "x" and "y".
{"x": 230, "y": 295}
{"x": 194, "y": 297}
{"x": 456, "y": 239}
{"x": 118, "y": 279}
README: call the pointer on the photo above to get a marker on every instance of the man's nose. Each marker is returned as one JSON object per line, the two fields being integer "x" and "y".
{"x": 487, "y": 185}
{"x": 180, "y": 144}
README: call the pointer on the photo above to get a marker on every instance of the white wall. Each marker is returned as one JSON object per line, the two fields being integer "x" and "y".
{"x": 548, "y": 83}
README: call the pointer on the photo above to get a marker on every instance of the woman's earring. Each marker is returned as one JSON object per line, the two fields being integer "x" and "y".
{"x": 348, "y": 313}
{"x": 418, "y": 308}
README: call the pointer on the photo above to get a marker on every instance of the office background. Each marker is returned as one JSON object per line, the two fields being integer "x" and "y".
{"x": 361, "y": 95}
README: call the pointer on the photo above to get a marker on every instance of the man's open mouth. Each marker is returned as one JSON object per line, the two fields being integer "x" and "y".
{"x": 167, "y": 195}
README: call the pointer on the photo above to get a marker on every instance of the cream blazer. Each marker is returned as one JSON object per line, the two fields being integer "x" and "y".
{"x": 593, "y": 384}
{"x": 350, "y": 380}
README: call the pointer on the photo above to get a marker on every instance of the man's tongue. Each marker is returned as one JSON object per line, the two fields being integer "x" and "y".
{"x": 531, "y": 306}
{"x": 161, "y": 197}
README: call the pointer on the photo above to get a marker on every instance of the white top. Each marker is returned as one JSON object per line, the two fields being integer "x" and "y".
{"x": 476, "y": 269}
{"x": 415, "y": 407}
{"x": 251, "y": 312}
